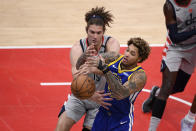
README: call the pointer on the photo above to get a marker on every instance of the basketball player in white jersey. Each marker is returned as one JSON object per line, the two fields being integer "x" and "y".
{"x": 96, "y": 42}
{"x": 179, "y": 58}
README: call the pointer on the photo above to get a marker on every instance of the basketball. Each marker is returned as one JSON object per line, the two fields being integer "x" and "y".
{"x": 83, "y": 87}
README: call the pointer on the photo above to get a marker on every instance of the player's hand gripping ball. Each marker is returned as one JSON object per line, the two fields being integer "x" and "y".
{"x": 83, "y": 87}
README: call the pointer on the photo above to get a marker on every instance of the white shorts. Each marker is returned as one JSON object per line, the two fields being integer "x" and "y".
{"x": 184, "y": 60}
{"x": 76, "y": 108}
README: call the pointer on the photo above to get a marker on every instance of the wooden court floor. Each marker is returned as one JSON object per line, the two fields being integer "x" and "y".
{"x": 61, "y": 22}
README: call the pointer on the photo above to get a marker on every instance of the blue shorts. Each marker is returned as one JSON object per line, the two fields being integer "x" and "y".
{"x": 107, "y": 121}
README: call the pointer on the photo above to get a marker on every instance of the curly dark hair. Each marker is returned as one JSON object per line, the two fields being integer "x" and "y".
{"x": 98, "y": 16}
{"x": 142, "y": 45}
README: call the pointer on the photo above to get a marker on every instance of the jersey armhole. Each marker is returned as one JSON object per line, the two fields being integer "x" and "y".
{"x": 81, "y": 45}
{"x": 105, "y": 43}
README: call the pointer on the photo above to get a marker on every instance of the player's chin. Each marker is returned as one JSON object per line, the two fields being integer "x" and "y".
{"x": 124, "y": 63}
{"x": 95, "y": 43}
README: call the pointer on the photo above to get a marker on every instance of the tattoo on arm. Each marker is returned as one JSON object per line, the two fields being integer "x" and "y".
{"x": 81, "y": 60}
{"x": 110, "y": 56}
{"x": 118, "y": 90}
{"x": 137, "y": 81}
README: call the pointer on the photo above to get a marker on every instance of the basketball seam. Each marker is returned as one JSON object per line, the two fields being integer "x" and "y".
{"x": 86, "y": 90}
{"x": 83, "y": 84}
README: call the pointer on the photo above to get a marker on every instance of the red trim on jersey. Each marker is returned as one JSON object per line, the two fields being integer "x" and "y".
{"x": 190, "y": 10}
{"x": 163, "y": 53}
{"x": 166, "y": 47}
{"x": 184, "y": 6}
{"x": 169, "y": 41}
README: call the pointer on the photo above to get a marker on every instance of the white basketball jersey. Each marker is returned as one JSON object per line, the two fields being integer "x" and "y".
{"x": 100, "y": 81}
{"x": 186, "y": 21}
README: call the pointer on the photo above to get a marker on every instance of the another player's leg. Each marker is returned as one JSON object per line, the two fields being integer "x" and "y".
{"x": 147, "y": 104}
{"x": 71, "y": 112}
{"x": 64, "y": 123}
{"x": 188, "y": 121}
{"x": 180, "y": 84}
{"x": 159, "y": 104}
{"x": 92, "y": 109}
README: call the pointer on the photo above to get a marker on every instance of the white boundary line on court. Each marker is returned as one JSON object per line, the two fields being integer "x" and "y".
{"x": 55, "y": 83}
{"x": 172, "y": 97}
{"x": 144, "y": 90}
{"x": 69, "y": 46}
{"x": 59, "y": 46}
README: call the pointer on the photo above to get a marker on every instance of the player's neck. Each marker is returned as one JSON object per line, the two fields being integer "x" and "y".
{"x": 129, "y": 67}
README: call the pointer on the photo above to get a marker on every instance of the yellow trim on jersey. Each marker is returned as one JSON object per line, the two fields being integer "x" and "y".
{"x": 132, "y": 73}
{"x": 120, "y": 71}
{"x": 115, "y": 60}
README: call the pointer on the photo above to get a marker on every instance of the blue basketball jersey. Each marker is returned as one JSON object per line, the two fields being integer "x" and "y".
{"x": 120, "y": 114}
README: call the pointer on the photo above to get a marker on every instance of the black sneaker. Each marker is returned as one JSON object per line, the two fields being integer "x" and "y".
{"x": 147, "y": 104}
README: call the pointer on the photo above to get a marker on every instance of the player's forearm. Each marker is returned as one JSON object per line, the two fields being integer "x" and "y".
{"x": 110, "y": 56}
{"x": 179, "y": 37}
{"x": 116, "y": 86}
{"x": 95, "y": 70}
{"x": 81, "y": 60}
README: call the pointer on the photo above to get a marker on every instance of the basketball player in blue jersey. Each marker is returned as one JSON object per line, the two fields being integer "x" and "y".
{"x": 125, "y": 79}
{"x": 179, "y": 59}
{"x": 96, "y": 43}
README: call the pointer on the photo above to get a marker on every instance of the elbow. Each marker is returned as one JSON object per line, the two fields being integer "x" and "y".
{"x": 174, "y": 39}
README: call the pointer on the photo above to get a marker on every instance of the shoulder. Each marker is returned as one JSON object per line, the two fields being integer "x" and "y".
{"x": 113, "y": 41}
{"x": 139, "y": 76}
{"x": 167, "y": 8}
{"x": 137, "y": 81}
{"x": 113, "y": 45}
{"x": 76, "y": 48}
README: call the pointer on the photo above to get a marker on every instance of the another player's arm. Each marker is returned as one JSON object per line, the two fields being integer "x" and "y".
{"x": 81, "y": 60}
{"x": 171, "y": 23}
{"x": 119, "y": 91}
{"x": 109, "y": 57}
{"x": 75, "y": 53}
{"x": 90, "y": 51}
{"x": 112, "y": 53}
{"x": 112, "y": 45}
{"x": 105, "y": 58}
